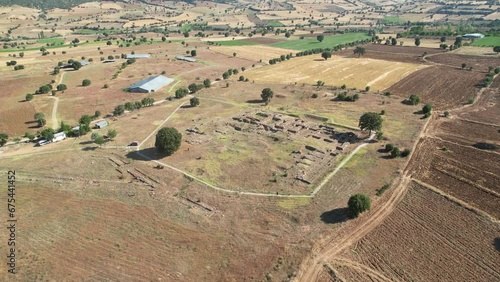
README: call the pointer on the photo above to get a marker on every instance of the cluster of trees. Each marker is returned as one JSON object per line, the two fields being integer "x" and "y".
{"x": 99, "y": 139}
{"x": 396, "y": 152}
{"x": 40, "y": 119}
{"x": 11, "y": 63}
{"x": 414, "y": 99}
{"x": 333, "y": 49}
{"x": 181, "y": 92}
{"x": 489, "y": 77}
{"x": 427, "y": 109}
{"x": 229, "y": 72}
{"x": 131, "y": 106}
{"x": 280, "y": 59}
{"x": 344, "y": 97}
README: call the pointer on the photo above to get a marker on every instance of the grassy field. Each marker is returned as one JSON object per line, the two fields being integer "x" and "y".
{"x": 488, "y": 41}
{"x": 236, "y": 43}
{"x": 393, "y": 20}
{"x": 55, "y": 40}
{"x": 275, "y": 24}
{"x": 329, "y": 41}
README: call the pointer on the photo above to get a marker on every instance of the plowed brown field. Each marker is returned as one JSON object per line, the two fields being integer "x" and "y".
{"x": 479, "y": 63}
{"x": 443, "y": 87}
{"x": 427, "y": 238}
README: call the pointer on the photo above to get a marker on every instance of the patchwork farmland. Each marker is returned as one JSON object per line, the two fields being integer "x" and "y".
{"x": 294, "y": 141}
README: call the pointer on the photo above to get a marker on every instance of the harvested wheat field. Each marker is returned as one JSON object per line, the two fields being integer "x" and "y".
{"x": 253, "y": 53}
{"x": 427, "y": 238}
{"x": 336, "y": 71}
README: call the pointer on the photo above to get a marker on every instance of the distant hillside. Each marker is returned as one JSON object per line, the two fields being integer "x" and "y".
{"x": 44, "y": 4}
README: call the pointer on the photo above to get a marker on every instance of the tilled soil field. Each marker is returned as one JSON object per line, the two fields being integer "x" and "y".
{"x": 464, "y": 172}
{"x": 486, "y": 109}
{"x": 392, "y": 53}
{"x": 469, "y": 132}
{"x": 478, "y": 63}
{"x": 427, "y": 238}
{"x": 441, "y": 86}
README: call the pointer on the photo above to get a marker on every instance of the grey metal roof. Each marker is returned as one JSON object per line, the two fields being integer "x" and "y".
{"x": 152, "y": 83}
{"x": 189, "y": 59}
{"x": 101, "y": 123}
{"x": 138, "y": 56}
{"x": 59, "y": 134}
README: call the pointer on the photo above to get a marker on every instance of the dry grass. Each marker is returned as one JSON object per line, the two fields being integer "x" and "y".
{"x": 359, "y": 72}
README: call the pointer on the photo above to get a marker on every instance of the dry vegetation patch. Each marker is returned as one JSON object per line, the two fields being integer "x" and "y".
{"x": 356, "y": 72}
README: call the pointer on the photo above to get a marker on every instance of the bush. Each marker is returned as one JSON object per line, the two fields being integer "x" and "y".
{"x": 314, "y": 95}
{"x": 194, "y": 102}
{"x": 382, "y": 112}
{"x": 405, "y": 153}
{"x": 395, "y": 152}
{"x": 29, "y": 97}
{"x": 358, "y": 204}
{"x": 389, "y": 147}
{"x": 119, "y": 110}
{"x": 86, "y": 82}
{"x": 427, "y": 108}
{"x": 414, "y": 99}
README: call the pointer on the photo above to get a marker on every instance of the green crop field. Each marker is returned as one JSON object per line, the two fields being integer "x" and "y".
{"x": 328, "y": 42}
{"x": 490, "y": 41}
{"x": 275, "y": 24}
{"x": 235, "y": 43}
{"x": 393, "y": 20}
{"x": 55, "y": 40}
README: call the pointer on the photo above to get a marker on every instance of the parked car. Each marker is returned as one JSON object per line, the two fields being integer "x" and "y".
{"x": 134, "y": 143}
{"x": 44, "y": 142}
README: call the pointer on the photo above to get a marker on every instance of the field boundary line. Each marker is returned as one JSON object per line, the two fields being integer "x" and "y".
{"x": 456, "y": 201}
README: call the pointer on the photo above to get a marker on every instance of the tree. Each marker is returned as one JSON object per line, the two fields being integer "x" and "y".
{"x": 395, "y": 152}
{"x": 86, "y": 82}
{"x": 325, "y": 55}
{"x": 76, "y": 65}
{"x": 137, "y": 105}
{"x": 61, "y": 87}
{"x": 129, "y": 106}
{"x": 168, "y": 140}
{"x": 389, "y": 147}
{"x": 193, "y": 53}
{"x": 181, "y": 92}
{"x": 267, "y": 94}
{"x": 359, "y": 51}
{"x": 97, "y": 114}
{"x": 206, "y": 83}
{"x": 358, "y": 204}
{"x": 394, "y": 41}
{"x": 496, "y": 49}
{"x": 112, "y": 134}
{"x": 3, "y": 139}
{"x": 119, "y": 110}
{"x": 464, "y": 65}
{"x": 370, "y": 121}
{"x": 225, "y": 75}
{"x": 29, "y": 97}
{"x": 234, "y": 54}
{"x": 443, "y": 39}
{"x": 367, "y": 88}
{"x": 163, "y": 38}
{"x": 320, "y": 38}
{"x": 427, "y": 108}
{"x": 458, "y": 41}
{"x": 40, "y": 118}
{"x": 47, "y": 134}
{"x": 66, "y": 128}
{"x": 109, "y": 43}
{"x": 193, "y": 88}
{"x": 414, "y": 99}
{"x": 417, "y": 41}
{"x": 45, "y": 88}
{"x": 194, "y": 102}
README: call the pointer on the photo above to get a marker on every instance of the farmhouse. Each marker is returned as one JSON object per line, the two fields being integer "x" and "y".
{"x": 187, "y": 59}
{"x": 101, "y": 124}
{"x": 59, "y": 137}
{"x": 150, "y": 84}
{"x": 138, "y": 56}
{"x": 473, "y": 36}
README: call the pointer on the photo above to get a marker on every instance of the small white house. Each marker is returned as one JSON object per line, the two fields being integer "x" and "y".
{"x": 59, "y": 137}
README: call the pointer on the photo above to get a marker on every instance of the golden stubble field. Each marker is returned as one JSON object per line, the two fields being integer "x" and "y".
{"x": 336, "y": 71}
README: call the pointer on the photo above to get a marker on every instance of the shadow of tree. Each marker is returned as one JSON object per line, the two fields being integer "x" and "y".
{"x": 256, "y": 101}
{"x": 335, "y": 216}
{"x": 146, "y": 154}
